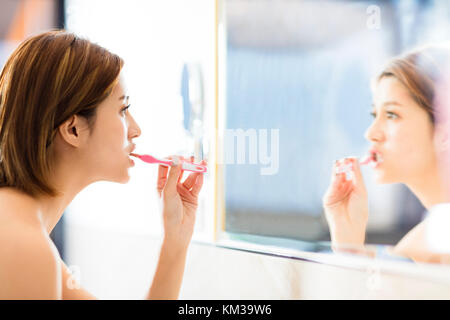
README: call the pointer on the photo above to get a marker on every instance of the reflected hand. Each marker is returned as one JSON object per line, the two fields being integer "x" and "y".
{"x": 346, "y": 206}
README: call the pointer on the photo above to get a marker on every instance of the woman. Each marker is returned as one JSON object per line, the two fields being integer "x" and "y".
{"x": 65, "y": 124}
{"x": 407, "y": 139}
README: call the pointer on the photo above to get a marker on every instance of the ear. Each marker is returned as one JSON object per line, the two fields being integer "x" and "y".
{"x": 74, "y": 130}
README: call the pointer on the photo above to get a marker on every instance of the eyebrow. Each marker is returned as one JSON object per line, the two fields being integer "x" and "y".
{"x": 394, "y": 103}
{"x": 124, "y": 98}
{"x": 389, "y": 103}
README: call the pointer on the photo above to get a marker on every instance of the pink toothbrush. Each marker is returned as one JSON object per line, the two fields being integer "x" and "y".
{"x": 347, "y": 169}
{"x": 365, "y": 160}
{"x": 187, "y": 166}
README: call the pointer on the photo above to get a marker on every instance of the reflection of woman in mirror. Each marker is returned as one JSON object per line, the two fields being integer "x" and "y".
{"x": 406, "y": 140}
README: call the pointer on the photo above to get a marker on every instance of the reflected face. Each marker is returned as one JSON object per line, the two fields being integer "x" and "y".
{"x": 111, "y": 138}
{"x": 401, "y": 135}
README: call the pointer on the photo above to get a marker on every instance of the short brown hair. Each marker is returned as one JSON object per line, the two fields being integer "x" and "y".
{"x": 46, "y": 80}
{"x": 420, "y": 71}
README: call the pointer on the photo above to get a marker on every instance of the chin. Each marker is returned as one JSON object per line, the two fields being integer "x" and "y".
{"x": 125, "y": 179}
{"x": 382, "y": 177}
{"x": 383, "y": 181}
{"x": 125, "y": 173}
{"x": 122, "y": 178}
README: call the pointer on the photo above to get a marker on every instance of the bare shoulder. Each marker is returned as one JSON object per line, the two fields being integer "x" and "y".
{"x": 414, "y": 246}
{"x": 29, "y": 265}
{"x": 13, "y": 202}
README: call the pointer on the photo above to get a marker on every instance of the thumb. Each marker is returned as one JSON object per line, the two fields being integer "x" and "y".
{"x": 358, "y": 178}
{"x": 172, "y": 179}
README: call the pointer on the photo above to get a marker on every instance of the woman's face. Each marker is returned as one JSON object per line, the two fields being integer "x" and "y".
{"x": 110, "y": 141}
{"x": 401, "y": 135}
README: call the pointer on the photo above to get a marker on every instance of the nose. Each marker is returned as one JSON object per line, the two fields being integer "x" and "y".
{"x": 133, "y": 129}
{"x": 374, "y": 132}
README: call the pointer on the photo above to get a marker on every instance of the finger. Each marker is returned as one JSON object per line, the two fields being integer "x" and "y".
{"x": 337, "y": 177}
{"x": 337, "y": 194}
{"x": 337, "y": 187}
{"x": 189, "y": 182}
{"x": 197, "y": 186}
{"x": 162, "y": 178}
{"x": 185, "y": 194}
{"x": 162, "y": 170}
{"x": 181, "y": 159}
{"x": 337, "y": 169}
{"x": 347, "y": 188}
{"x": 192, "y": 179}
{"x": 358, "y": 178}
{"x": 172, "y": 180}
{"x": 348, "y": 169}
{"x": 181, "y": 175}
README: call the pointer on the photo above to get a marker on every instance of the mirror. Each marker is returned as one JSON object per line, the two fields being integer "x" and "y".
{"x": 297, "y": 95}
{"x": 193, "y": 107}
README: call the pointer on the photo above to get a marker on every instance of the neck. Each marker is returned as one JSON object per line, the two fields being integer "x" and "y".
{"x": 429, "y": 189}
{"x": 52, "y": 208}
{"x": 68, "y": 179}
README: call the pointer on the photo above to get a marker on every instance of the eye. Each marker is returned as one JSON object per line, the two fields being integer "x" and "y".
{"x": 124, "y": 109}
{"x": 373, "y": 114}
{"x": 391, "y": 115}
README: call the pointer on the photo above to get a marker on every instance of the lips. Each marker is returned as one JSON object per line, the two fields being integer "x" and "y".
{"x": 133, "y": 146}
{"x": 376, "y": 156}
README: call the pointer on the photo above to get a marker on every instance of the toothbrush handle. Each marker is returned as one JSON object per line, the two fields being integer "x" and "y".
{"x": 165, "y": 163}
{"x": 150, "y": 159}
{"x": 193, "y": 167}
{"x": 365, "y": 160}
{"x": 187, "y": 166}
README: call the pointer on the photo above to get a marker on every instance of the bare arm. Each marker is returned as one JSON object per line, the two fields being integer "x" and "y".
{"x": 71, "y": 289}
{"x": 179, "y": 209}
{"x": 169, "y": 274}
{"x": 29, "y": 268}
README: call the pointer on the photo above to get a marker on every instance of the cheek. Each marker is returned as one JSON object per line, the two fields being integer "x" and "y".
{"x": 124, "y": 130}
{"x": 398, "y": 140}
{"x": 111, "y": 138}
{"x": 412, "y": 146}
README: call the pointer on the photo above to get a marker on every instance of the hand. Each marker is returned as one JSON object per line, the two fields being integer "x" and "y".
{"x": 180, "y": 201}
{"x": 346, "y": 206}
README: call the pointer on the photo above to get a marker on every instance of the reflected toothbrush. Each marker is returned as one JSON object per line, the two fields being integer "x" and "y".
{"x": 365, "y": 160}
{"x": 348, "y": 168}
{"x": 187, "y": 166}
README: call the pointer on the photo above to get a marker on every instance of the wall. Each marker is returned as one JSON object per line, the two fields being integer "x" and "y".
{"x": 120, "y": 265}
